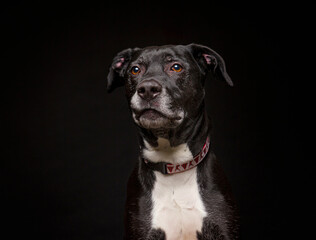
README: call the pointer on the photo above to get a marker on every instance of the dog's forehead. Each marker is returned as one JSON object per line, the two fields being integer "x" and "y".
{"x": 162, "y": 53}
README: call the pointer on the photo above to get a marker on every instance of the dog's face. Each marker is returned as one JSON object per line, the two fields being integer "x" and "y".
{"x": 165, "y": 85}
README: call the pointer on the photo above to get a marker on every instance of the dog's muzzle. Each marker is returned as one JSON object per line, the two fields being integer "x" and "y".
{"x": 152, "y": 107}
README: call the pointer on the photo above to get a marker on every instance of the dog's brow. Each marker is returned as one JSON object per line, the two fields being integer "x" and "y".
{"x": 168, "y": 58}
{"x": 141, "y": 60}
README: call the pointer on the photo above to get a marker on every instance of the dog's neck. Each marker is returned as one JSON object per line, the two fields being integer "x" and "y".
{"x": 185, "y": 141}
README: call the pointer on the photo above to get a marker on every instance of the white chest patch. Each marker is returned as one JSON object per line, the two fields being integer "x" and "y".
{"x": 177, "y": 205}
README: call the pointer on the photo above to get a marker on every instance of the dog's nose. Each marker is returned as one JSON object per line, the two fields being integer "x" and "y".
{"x": 149, "y": 89}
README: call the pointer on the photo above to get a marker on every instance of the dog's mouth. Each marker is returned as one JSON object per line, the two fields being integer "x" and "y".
{"x": 153, "y": 114}
{"x": 153, "y": 119}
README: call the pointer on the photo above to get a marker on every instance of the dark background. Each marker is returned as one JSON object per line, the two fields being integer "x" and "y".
{"x": 70, "y": 147}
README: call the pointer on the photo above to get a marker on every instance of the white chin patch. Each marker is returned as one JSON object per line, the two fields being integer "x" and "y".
{"x": 160, "y": 122}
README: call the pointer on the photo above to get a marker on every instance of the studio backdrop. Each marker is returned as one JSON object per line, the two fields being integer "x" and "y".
{"x": 70, "y": 147}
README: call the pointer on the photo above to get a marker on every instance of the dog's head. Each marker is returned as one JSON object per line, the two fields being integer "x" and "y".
{"x": 165, "y": 85}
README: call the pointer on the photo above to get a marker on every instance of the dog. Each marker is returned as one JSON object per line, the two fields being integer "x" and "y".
{"x": 177, "y": 190}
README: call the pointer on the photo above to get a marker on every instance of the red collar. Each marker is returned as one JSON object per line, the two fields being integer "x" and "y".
{"x": 168, "y": 168}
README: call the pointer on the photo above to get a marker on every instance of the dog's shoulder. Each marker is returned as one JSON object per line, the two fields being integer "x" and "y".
{"x": 216, "y": 191}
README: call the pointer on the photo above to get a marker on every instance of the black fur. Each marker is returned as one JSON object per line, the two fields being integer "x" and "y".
{"x": 186, "y": 89}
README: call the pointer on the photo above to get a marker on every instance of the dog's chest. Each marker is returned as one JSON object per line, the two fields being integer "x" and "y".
{"x": 177, "y": 206}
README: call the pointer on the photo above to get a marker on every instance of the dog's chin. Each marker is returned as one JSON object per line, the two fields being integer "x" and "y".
{"x": 152, "y": 119}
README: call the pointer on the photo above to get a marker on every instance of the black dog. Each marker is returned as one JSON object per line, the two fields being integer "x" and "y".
{"x": 177, "y": 191}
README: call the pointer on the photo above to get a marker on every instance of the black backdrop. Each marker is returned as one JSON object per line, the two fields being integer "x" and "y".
{"x": 70, "y": 146}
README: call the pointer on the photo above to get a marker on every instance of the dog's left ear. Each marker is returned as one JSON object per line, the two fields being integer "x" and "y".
{"x": 209, "y": 60}
{"x": 117, "y": 69}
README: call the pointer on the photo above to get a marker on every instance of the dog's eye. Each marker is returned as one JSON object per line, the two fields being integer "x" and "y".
{"x": 176, "y": 68}
{"x": 135, "y": 70}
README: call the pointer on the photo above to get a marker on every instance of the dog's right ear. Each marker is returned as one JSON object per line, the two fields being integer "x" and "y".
{"x": 117, "y": 69}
